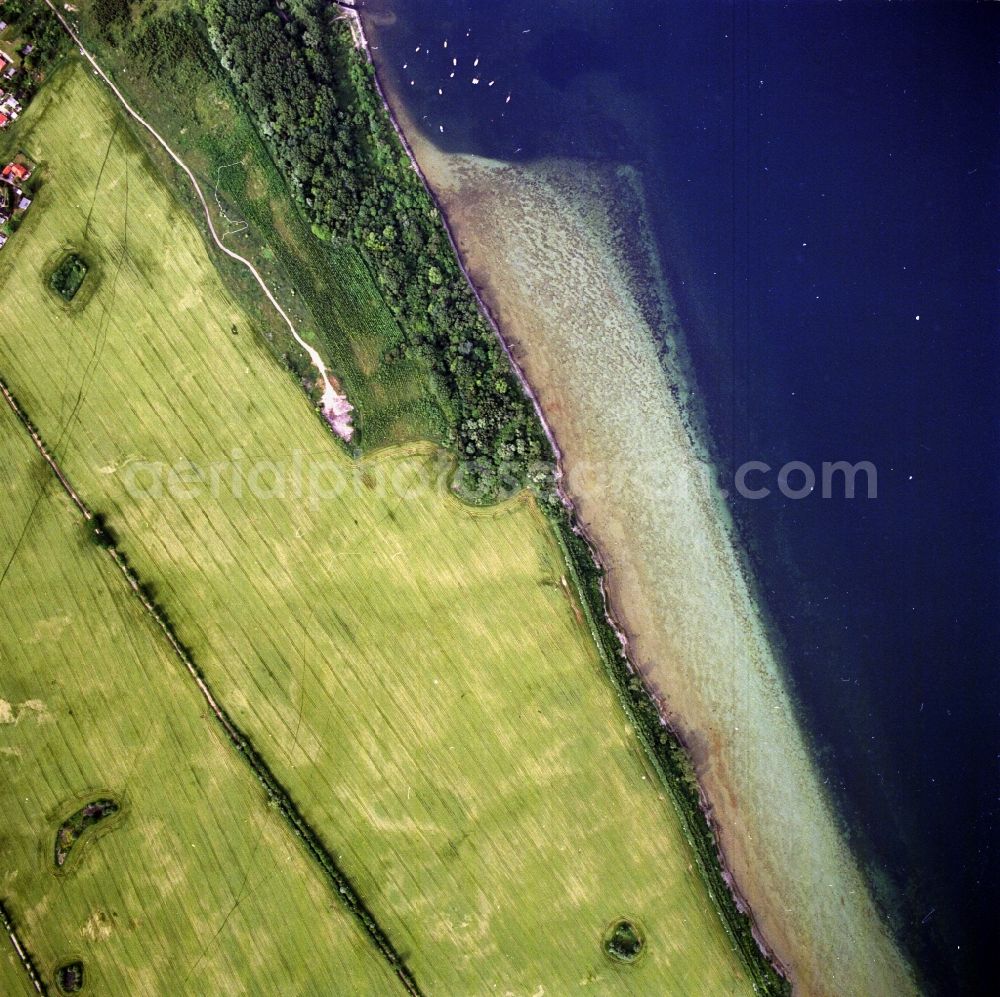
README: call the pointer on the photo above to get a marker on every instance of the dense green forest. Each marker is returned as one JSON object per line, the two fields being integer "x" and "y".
{"x": 316, "y": 106}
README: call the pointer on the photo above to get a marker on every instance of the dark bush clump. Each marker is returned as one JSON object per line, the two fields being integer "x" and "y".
{"x": 70, "y": 977}
{"x": 70, "y": 830}
{"x": 623, "y": 942}
{"x": 68, "y": 276}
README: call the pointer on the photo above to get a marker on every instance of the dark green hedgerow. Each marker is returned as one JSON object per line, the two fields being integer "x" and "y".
{"x": 665, "y": 751}
{"x": 349, "y": 896}
{"x": 276, "y": 793}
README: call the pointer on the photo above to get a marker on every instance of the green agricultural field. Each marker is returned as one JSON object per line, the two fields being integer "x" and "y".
{"x": 415, "y": 672}
{"x": 179, "y": 892}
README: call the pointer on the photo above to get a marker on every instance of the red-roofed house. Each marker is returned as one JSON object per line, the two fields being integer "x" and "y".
{"x": 15, "y": 172}
{"x": 3, "y": 120}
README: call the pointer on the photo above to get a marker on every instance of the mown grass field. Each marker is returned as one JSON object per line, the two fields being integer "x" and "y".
{"x": 196, "y": 886}
{"x": 414, "y": 671}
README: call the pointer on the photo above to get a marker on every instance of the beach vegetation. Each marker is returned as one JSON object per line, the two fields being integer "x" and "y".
{"x": 666, "y": 752}
{"x": 314, "y": 103}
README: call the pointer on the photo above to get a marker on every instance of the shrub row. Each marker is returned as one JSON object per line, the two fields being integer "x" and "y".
{"x": 97, "y": 531}
{"x": 276, "y": 793}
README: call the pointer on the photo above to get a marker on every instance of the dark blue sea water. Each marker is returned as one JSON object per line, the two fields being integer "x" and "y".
{"x": 824, "y": 179}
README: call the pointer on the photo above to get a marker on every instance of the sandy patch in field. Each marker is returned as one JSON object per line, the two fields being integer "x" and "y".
{"x": 540, "y": 245}
{"x": 11, "y": 714}
{"x": 97, "y": 927}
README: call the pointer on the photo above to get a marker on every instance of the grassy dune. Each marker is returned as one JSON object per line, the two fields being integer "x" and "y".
{"x": 178, "y": 893}
{"x": 414, "y": 671}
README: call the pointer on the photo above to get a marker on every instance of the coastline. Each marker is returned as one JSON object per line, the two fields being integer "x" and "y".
{"x": 698, "y": 696}
{"x": 353, "y": 15}
{"x": 858, "y": 952}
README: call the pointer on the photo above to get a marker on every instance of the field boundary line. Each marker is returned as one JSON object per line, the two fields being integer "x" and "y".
{"x": 273, "y": 789}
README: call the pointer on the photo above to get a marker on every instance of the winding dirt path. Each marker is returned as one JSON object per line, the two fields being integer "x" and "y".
{"x": 335, "y": 405}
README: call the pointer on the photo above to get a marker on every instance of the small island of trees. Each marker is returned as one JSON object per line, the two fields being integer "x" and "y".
{"x": 623, "y": 941}
{"x": 70, "y": 977}
{"x": 68, "y": 276}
